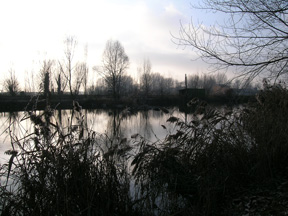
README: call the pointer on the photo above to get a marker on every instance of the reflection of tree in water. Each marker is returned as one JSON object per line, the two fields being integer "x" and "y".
{"x": 145, "y": 124}
{"x": 13, "y": 119}
{"x": 14, "y": 126}
{"x": 157, "y": 114}
{"x": 69, "y": 119}
{"x": 116, "y": 130}
{"x": 11, "y": 124}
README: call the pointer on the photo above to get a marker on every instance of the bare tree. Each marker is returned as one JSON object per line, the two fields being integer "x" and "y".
{"x": 71, "y": 73}
{"x": 86, "y": 71}
{"x": 45, "y": 74}
{"x": 161, "y": 85}
{"x": 11, "y": 84}
{"x": 114, "y": 64}
{"x": 169, "y": 85}
{"x": 128, "y": 86}
{"x": 81, "y": 71}
{"x": 208, "y": 82}
{"x": 253, "y": 39}
{"x": 145, "y": 77}
{"x": 29, "y": 82}
{"x": 60, "y": 79}
{"x": 194, "y": 81}
{"x": 221, "y": 78}
{"x": 70, "y": 43}
{"x": 67, "y": 67}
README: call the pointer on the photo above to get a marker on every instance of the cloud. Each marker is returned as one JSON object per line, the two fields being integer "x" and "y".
{"x": 170, "y": 9}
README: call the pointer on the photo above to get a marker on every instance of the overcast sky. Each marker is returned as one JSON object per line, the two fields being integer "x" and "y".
{"x": 34, "y": 30}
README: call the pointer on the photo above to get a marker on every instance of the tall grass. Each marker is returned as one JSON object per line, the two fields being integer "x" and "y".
{"x": 203, "y": 161}
{"x": 217, "y": 158}
{"x": 267, "y": 123}
{"x": 64, "y": 171}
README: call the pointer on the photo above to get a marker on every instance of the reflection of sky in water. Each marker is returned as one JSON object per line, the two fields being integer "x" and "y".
{"x": 114, "y": 124}
{"x": 18, "y": 126}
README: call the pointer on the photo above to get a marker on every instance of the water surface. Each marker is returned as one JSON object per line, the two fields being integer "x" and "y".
{"x": 116, "y": 124}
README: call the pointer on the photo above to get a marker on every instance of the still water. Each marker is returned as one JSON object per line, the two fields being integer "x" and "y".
{"x": 116, "y": 124}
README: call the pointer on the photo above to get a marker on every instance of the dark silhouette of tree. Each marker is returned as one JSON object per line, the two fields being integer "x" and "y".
{"x": 161, "y": 85}
{"x": 70, "y": 45}
{"x": 86, "y": 71}
{"x": 145, "y": 77}
{"x": 72, "y": 73}
{"x": 46, "y": 84}
{"x": 127, "y": 86}
{"x": 60, "y": 79}
{"x": 29, "y": 82}
{"x": 252, "y": 40}
{"x": 45, "y": 73}
{"x": 114, "y": 65}
{"x": 11, "y": 84}
{"x": 194, "y": 81}
{"x": 81, "y": 71}
{"x": 59, "y": 85}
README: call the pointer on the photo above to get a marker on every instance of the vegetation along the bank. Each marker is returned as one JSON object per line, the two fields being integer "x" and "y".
{"x": 222, "y": 162}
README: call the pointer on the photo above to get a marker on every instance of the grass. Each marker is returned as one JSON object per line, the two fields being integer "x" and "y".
{"x": 222, "y": 162}
{"x": 65, "y": 171}
{"x": 220, "y": 158}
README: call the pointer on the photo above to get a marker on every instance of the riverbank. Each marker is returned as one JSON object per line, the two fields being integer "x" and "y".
{"x": 39, "y": 102}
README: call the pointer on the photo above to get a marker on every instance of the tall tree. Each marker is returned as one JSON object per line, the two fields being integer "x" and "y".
{"x": 86, "y": 71}
{"x": 253, "y": 38}
{"x": 11, "y": 84}
{"x": 81, "y": 71}
{"x": 194, "y": 81}
{"x": 145, "y": 78}
{"x": 29, "y": 82}
{"x": 70, "y": 43}
{"x": 60, "y": 79}
{"x": 115, "y": 62}
{"x": 45, "y": 74}
{"x": 72, "y": 73}
{"x": 67, "y": 67}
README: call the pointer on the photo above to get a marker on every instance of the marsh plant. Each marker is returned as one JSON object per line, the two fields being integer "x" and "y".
{"x": 64, "y": 171}
{"x": 222, "y": 162}
{"x": 196, "y": 166}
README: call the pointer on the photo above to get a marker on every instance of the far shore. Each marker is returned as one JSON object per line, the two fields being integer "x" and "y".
{"x": 27, "y": 102}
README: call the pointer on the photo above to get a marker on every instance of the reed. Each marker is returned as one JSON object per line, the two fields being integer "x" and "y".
{"x": 217, "y": 158}
{"x": 64, "y": 171}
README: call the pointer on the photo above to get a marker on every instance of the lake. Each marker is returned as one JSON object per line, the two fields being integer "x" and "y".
{"x": 116, "y": 124}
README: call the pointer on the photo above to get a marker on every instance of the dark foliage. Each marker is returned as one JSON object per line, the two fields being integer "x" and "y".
{"x": 64, "y": 171}
{"x": 212, "y": 162}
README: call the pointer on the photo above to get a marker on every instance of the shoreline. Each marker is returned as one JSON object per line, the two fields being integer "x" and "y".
{"x": 27, "y": 103}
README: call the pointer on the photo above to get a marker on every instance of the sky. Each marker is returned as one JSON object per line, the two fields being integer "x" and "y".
{"x": 35, "y": 30}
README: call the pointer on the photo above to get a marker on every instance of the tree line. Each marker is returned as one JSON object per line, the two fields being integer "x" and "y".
{"x": 71, "y": 76}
